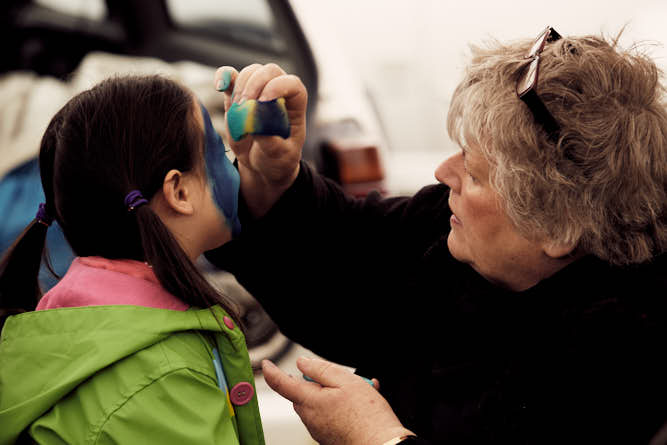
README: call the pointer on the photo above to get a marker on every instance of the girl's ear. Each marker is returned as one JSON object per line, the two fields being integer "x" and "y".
{"x": 177, "y": 193}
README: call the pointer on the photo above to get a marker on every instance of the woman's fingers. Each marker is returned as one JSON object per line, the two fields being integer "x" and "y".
{"x": 224, "y": 78}
{"x": 242, "y": 80}
{"x": 326, "y": 373}
{"x": 344, "y": 409}
{"x": 258, "y": 79}
{"x": 224, "y": 81}
{"x": 292, "y": 89}
{"x": 261, "y": 82}
{"x": 294, "y": 390}
{"x": 264, "y": 83}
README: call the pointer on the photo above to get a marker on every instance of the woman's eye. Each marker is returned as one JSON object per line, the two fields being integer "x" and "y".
{"x": 469, "y": 174}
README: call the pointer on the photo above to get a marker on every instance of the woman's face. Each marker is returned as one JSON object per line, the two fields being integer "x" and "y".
{"x": 481, "y": 233}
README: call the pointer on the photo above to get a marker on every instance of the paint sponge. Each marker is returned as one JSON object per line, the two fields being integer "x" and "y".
{"x": 268, "y": 118}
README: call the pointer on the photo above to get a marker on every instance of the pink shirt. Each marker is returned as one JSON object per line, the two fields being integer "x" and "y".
{"x": 97, "y": 281}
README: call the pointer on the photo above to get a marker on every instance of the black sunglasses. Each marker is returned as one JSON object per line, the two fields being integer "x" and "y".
{"x": 527, "y": 84}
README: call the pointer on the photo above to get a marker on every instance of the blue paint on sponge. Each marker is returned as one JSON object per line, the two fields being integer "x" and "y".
{"x": 267, "y": 118}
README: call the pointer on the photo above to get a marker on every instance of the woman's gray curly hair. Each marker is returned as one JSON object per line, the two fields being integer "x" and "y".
{"x": 603, "y": 185}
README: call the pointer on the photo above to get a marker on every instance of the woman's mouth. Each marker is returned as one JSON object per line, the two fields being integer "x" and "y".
{"x": 453, "y": 219}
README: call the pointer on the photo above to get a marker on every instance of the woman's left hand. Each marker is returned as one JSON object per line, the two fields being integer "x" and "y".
{"x": 341, "y": 408}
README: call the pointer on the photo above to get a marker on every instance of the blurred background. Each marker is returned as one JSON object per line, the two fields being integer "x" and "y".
{"x": 379, "y": 73}
{"x": 410, "y": 56}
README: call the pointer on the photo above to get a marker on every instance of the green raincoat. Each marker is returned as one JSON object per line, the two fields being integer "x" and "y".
{"x": 124, "y": 374}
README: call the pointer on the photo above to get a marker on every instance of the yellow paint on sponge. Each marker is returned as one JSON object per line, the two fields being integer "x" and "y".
{"x": 268, "y": 118}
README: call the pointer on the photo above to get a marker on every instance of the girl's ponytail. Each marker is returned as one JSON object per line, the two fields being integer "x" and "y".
{"x": 20, "y": 265}
{"x": 19, "y": 271}
{"x": 171, "y": 265}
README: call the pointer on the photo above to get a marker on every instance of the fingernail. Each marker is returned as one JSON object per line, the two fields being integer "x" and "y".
{"x": 241, "y": 100}
{"x": 268, "y": 364}
{"x": 223, "y": 83}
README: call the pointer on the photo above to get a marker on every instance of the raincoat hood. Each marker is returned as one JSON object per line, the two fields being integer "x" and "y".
{"x": 46, "y": 354}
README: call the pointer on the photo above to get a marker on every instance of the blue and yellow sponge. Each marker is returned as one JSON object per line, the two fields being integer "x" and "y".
{"x": 268, "y": 118}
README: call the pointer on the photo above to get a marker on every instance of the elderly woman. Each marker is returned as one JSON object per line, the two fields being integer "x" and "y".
{"x": 522, "y": 300}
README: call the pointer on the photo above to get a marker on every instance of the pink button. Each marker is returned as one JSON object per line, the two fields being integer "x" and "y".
{"x": 228, "y": 322}
{"x": 241, "y": 393}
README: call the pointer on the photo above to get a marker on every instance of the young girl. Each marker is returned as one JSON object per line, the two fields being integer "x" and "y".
{"x": 132, "y": 345}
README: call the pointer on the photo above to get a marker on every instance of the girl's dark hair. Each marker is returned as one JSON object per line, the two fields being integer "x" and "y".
{"x": 124, "y": 134}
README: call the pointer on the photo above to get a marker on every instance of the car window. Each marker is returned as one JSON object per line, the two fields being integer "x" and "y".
{"x": 248, "y": 21}
{"x": 85, "y": 9}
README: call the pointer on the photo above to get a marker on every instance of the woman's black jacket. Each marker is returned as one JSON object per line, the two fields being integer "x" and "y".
{"x": 578, "y": 358}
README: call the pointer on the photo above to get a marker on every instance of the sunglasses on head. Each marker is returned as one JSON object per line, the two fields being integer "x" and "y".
{"x": 527, "y": 84}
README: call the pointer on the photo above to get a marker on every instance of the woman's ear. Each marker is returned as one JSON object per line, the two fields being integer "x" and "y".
{"x": 557, "y": 250}
{"x": 177, "y": 193}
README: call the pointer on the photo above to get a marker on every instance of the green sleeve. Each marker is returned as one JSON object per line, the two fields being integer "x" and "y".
{"x": 183, "y": 406}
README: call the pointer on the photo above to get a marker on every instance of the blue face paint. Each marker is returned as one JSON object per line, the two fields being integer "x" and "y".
{"x": 223, "y": 177}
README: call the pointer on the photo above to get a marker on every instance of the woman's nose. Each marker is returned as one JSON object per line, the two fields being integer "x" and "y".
{"x": 449, "y": 172}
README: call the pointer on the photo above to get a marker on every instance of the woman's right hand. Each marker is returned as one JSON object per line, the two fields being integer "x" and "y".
{"x": 268, "y": 165}
{"x": 340, "y": 409}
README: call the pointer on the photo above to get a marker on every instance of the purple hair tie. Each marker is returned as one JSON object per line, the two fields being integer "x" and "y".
{"x": 42, "y": 216}
{"x": 134, "y": 199}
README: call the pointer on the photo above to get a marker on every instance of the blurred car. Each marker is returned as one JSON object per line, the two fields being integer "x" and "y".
{"x": 345, "y": 140}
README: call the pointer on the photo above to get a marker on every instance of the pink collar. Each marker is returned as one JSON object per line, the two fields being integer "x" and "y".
{"x": 96, "y": 281}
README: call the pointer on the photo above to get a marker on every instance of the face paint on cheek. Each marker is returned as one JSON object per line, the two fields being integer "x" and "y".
{"x": 223, "y": 177}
